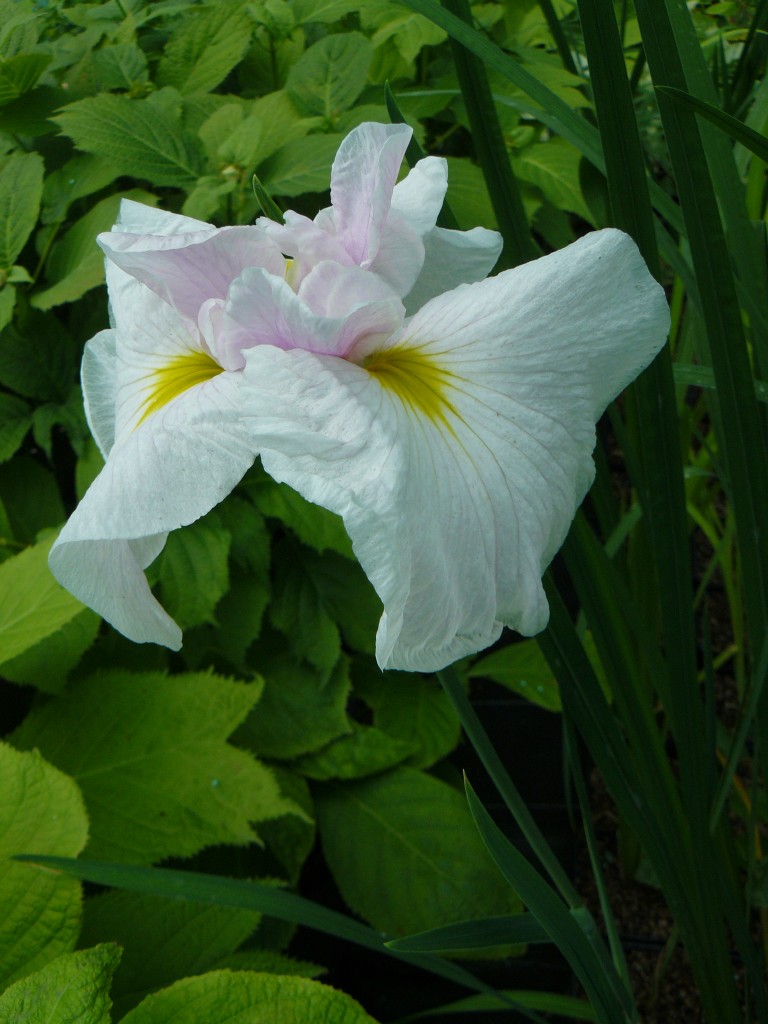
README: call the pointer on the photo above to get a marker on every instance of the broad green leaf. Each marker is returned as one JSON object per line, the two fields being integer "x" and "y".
{"x": 268, "y": 961}
{"x": 80, "y": 176}
{"x": 32, "y": 604}
{"x": 554, "y": 168}
{"x": 329, "y": 76}
{"x": 19, "y": 74}
{"x": 150, "y": 754}
{"x": 300, "y": 612}
{"x": 192, "y": 571}
{"x": 162, "y": 940}
{"x": 298, "y": 712}
{"x": 76, "y": 263}
{"x": 144, "y": 139}
{"x": 207, "y": 196}
{"x": 303, "y": 165}
{"x": 222, "y": 997}
{"x": 41, "y": 812}
{"x": 73, "y": 989}
{"x": 410, "y": 32}
{"x": 15, "y": 421}
{"x": 47, "y": 664}
{"x": 120, "y": 66}
{"x": 403, "y": 852}
{"x": 29, "y": 114}
{"x": 21, "y": 188}
{"x": 31, "y": 500}
{"x": 39, "y": 361}
{"x": 365, "y": 751}
{"x": 308, "y": 11}
{"x": 7, "y": 304}
{"x": 281, "y": 122}
{"x": 522, "y": 668}
{"x": 413, "y": 710}
{"x": 468, "y": 195}
{"x": 315, "y": 526}
{"x": 290, "y": 839}
{"x": 69, "y": 415}
{"x": 20, "y": 28}
{"x": 205, "y": 49}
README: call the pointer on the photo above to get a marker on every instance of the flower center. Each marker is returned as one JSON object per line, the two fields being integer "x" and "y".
{"x": 416, "y": 379}
{"x": 176, "y": 377}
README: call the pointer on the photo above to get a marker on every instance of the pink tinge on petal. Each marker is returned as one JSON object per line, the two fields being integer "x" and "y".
{"x": 185, "y": 270}
{"x": 333, "y": 291}
{"x": 400, "y": 255}
{"x": 362, "y": 180}
{"x": 263, "y": 310}
{"x": 306, "y": 242}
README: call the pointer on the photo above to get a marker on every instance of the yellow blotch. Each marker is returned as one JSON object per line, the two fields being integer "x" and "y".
{"x": 417, "y": 379}
{"x": 176, "y": 377}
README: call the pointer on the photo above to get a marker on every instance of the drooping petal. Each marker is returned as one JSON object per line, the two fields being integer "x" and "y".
{"x": 362, "y": 181}
{"x": 452, "y": 258}
{"x": 458, "y": 453}
{"x": 167, "y": 472}
{"x": 419, "y": 196}
{"x": 186, "y": 269}
{"x": 264, "y": 310}
{"x": 400, "y": 255}
{"x": 140, "y": 219}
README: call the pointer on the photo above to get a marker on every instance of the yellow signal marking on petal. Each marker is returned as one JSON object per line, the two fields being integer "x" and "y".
{"x": 179, "y": 375}
{"x": 416, "y": 378}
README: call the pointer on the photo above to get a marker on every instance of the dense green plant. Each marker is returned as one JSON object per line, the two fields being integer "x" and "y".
{"x": 273, "y": 723}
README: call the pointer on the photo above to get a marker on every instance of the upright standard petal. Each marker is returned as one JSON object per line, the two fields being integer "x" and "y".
{"x": 179, "y": 447}
{"x": 458, "y": 451}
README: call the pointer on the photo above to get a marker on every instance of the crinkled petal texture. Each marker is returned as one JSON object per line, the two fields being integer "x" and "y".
{"x": 458, "y": 451}
{"x": 167, "y": 418}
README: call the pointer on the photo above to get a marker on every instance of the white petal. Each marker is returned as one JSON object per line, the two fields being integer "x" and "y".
{"x": 419, "y": 196}
{"x": 455, "y": 514}
{"x": 362, "y": 180}
{"x": 400, "y": 255}
{"x": 172, "y": 469}
{"x": 452, "y": 258}
{"x": 98, "y": 375}
{"x": 140, "y": 219}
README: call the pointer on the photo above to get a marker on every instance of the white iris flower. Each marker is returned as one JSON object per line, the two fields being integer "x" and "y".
{"x": 456, "y": 443}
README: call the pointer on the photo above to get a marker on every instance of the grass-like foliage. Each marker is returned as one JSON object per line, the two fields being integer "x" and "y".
{"x": 267, "y": 778}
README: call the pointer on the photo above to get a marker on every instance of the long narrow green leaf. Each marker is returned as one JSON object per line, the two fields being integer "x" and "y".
{"x": 547, "y": 1002}
{"x": 474, "y": 934}
{"x": 491, "y": 150}
{"x": 612, "y": 1002}
{"x": 233, "y": 892}
{"x": 737, "y": 130}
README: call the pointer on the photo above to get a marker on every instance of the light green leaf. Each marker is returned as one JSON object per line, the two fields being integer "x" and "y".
{"x": 192, "y": 571}
{"x": 74, "y": 989}
{"x": 522, "y": 668}
{"x": 15, "y": 421}
{"x": 32, "y": 604}
{"x": 76, "y": 263}
{"x": 48, "y": 663}
{"x": 162, "y": 940}
{"x": 554, "y": 168}
{"x": 410, "y": 33}
{"x": 281, "y": 122}
{"x": 303, "y": 165}
{"x": 207, "y": 197}
{"x": 205, "y": 49}
{"x": 403, "y": 853}
{"x": 327, "y": 11}
{"x": 41, "y": 811}
{"x": 143, "y": 138}
{"x": 120, "y": 66}
{"x": 468, "y": 195}
{"x": 298, "y": 711}
{"x": 414, "y": 710}
{"x": 365, "y": 751}
{"x": 7, "y": 304}
{"x": 19, "y": 74}
{"x": 150, "y": 754}
{"x": 21, "y": 188}
{"x": 222, "y": 997}
{"x": 329, "y": 76}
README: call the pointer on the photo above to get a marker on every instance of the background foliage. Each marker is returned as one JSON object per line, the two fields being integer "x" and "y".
{"x": 273, "y": 731}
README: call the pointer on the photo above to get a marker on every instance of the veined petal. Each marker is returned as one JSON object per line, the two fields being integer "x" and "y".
{"x": 419, "y": 196}
{"x": 362, "y": 181}
{"x": 452, "y": 258}
{"x": 173, "y": 468}
{"x": 186, "y": 269}
{"x": 140, "y": 219}
{"x": 400, "y": 255}
{"x": 264, "y": 310}
{"x": 98, "y": 375}
{"x": 459, "y": 452}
